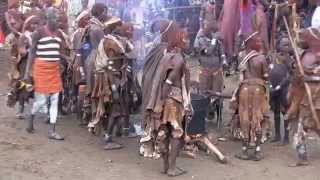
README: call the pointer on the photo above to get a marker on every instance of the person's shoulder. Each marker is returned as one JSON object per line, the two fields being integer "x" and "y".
{"x": 259, "y": 58}
{"x": 177, "y": 59}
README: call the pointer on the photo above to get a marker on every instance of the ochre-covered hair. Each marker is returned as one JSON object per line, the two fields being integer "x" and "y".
{"x": 170, "y": 31}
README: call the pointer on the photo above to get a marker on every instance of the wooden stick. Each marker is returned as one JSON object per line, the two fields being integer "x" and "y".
{"x": 274, "y": 29}
{"x": 274, "y": 34}
{"x": 308, "y": 90}
{"x": 214, "y": 149}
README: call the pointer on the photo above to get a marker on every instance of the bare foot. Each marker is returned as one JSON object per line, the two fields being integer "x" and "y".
{"x": 176, "y": 172}
{"x": 165, "y": 169}
{"x": 243, "y": 156}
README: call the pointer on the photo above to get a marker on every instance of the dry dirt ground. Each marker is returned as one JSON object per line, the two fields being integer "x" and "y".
{"x": 81, "y": 156}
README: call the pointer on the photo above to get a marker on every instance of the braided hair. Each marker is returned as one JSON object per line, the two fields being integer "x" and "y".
{"x": 170, "y": 31}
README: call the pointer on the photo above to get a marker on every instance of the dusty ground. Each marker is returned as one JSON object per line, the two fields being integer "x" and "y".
{"x": 81, "y": 157}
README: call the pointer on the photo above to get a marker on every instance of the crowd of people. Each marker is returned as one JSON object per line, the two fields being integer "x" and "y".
{"x": 90, "y": 65}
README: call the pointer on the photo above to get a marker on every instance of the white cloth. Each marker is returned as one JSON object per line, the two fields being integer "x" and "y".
{"x": 101, "y": 60}
{"x": 315, "y": 21}
{"x": 41, "y": 103}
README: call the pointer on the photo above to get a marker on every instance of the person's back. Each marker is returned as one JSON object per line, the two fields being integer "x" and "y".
{"x": 256, "y": 68}
{"x": 252, "y": 102}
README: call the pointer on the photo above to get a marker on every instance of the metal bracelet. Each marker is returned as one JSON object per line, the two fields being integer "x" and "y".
{"x": 113, "y": 87}
{"x": 169, "y": 82}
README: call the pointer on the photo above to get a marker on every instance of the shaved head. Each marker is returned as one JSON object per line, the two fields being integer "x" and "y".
{"x": 52, "y": 16}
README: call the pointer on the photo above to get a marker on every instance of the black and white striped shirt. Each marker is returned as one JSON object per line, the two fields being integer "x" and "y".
{"x": 48, "y": 48}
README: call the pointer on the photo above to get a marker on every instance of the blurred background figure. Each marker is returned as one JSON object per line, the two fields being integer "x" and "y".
{"x": 3, "y": 8}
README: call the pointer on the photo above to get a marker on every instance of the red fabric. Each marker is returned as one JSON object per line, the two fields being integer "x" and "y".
{"x": 230, "y": 24}
{"x": 2, "y": 38}
{"x": 244, "y": 4}
{"x": 47, "y": 77}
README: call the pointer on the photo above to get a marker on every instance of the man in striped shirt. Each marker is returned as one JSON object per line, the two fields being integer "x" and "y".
{"x": 45, "y": 57}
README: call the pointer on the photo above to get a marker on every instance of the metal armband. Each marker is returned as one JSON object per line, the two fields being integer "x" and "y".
{"x": 168, "y": 82}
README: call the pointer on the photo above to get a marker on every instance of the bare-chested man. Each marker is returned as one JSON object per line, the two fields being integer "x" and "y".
{"x": 280, "y": 75}
{"x": 212, "y": 57}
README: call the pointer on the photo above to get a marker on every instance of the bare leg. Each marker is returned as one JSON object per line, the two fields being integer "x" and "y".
{"x": 277, "y": 121}
{"x": 302, "y": 151}
{"x": 245, "y": 128}
{"x": 20, "y": 109}
{"x": 165, "y": 167}
{"x": 109, "y": 130}
{"x": 110, "y": 145}
{"x": 173, "y": 154}
{"x": 286, "y": 133}
{"x": 244, "y": 155}
{"x": 128, "y": 129}
{"x": 40, "y": 100}
{"x": 126, "y": 124}
{"x": 30, "y": 128}
{"x": 257, "y": 156}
